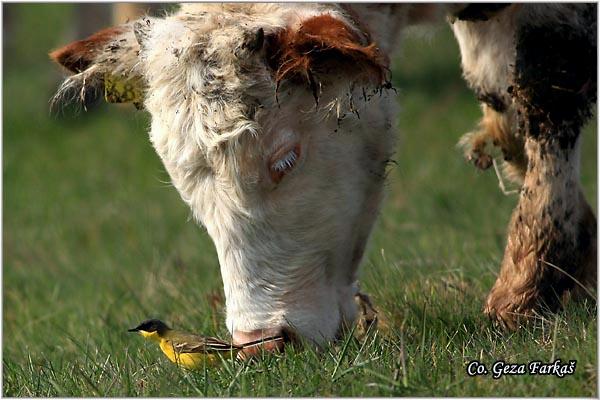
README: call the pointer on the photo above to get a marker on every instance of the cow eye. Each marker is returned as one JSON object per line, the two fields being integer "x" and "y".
{"x": 283, "y": 161}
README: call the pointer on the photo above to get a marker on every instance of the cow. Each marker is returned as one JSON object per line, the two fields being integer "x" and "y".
{"x": 275, "y": 124}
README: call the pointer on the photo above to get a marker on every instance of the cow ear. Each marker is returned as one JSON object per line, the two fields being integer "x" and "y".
{"x": 79, "y": 55}
{"x": 106, "y": 62}
{"x": 323, "y": 45}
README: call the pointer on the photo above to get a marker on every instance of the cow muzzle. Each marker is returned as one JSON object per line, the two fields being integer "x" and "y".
{"x": 261, "y": 341}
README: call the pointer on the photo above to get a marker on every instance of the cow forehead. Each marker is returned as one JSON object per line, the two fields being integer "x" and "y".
{"x": 203, "y": 85}
{"x": 209, "y": 41}
{"x": 211, "y": 50}
{"x": 280, "y": 15}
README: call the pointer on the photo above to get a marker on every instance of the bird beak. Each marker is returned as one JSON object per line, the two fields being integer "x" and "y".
{"x": 133, "y": 330}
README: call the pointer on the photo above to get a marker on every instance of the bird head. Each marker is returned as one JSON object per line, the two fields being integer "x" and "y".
{"x": 152, "y": 329}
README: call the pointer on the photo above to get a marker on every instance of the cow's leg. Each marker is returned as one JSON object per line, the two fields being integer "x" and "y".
{"x": 551, "y": 245}
{"x": 552, "y": 236}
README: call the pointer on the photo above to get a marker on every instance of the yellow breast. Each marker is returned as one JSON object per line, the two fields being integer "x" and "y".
{"x": 187, "y": 360}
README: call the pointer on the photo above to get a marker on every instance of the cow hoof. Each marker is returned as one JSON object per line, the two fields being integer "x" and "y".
{"x": 502, "y": 318}
{"x": 505, "y": 311}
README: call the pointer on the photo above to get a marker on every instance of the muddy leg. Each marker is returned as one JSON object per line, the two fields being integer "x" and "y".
{"x": 551, "y": 245}
{"x": 552, "y": 238}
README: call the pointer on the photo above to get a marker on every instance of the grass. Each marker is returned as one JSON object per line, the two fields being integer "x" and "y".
{"x": 95, "y": 240}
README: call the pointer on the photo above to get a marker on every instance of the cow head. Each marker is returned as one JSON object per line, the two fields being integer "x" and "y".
{"x": 274, "y": 125}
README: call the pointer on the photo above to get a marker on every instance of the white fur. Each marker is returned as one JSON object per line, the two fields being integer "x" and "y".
{"x": 488, "y": 51}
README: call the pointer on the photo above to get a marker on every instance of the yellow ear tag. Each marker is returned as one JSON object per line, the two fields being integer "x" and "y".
{"x": 119, "y": 89}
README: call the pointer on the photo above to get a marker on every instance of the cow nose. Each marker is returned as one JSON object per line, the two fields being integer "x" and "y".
{"x": 256, "y": 342}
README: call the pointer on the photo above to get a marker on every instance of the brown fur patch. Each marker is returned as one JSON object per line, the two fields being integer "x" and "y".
{"x": 319, "y": 41}
{"x": 78, "y": 55}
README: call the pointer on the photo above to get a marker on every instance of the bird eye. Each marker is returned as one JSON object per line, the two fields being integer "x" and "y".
{"x": 284, "y": 161}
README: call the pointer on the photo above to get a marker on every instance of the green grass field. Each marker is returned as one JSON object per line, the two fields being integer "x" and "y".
{"x": 95, "y": 240}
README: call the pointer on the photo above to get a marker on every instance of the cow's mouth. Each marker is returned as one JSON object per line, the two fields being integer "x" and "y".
{"x": 262, "y": 341}
{"x": 274, "y": 340}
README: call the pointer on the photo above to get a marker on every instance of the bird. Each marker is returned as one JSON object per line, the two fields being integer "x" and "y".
{"x": 189, "y": 350}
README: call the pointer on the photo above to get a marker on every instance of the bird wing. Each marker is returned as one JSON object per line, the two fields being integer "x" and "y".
{"x": 190, "y": 343}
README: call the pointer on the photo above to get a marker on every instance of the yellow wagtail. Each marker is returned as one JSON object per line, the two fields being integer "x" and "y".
{"x": 189, "y": 350}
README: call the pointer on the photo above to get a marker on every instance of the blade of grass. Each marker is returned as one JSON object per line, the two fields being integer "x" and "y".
{"x": 349, "y": 338}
